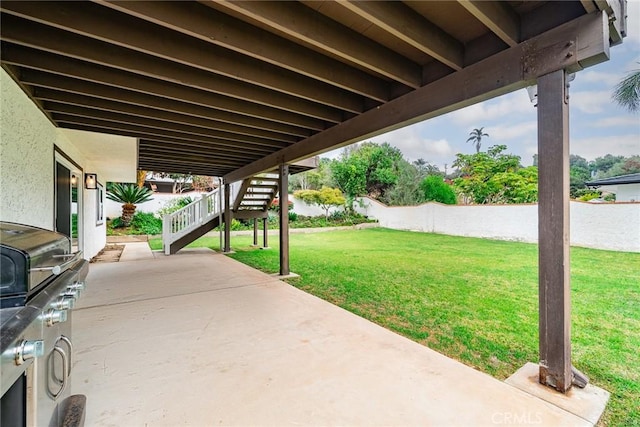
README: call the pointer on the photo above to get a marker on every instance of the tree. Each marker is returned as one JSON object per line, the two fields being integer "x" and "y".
{"x": 129, "y": 195}
{"x": 625, "y": 166}
{"x": 476, "y": 137}
{"x": 325, "y": 198}
{"x": 601, "y": 165}
{"x": 203, "y": 183}
{"x": 579, "y": 173}
{"x": 314, "y": 179}
{"x": 495, "y": 177}
{"x": 436, "y": 190}
{"x": 368, "y": 169}
{"x": 406, "y": 191}
{"x": 425, "y": 168}
{"x": 627, "y": 92}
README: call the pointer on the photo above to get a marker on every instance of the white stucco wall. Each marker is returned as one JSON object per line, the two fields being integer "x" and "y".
{"x": 628, "y": 193}
{"x": 302, "y": 208}
{"x": 26, "y": 158}
{"x": 611, "y": 226}
{"x": 27, "y": 164}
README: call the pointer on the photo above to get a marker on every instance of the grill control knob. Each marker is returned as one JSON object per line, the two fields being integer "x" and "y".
{"x": 26, "y": 350}
{"x": 65, "y": 302}
{"x": 77, "y": 285}
{"x": 71, "y": 293}
{"x": 53, "y": 316}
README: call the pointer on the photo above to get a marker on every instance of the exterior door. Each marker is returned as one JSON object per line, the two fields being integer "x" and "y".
{"x": 63, "y": 200}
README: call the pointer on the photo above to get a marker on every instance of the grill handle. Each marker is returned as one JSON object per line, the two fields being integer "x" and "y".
{"x": 57, "y": 269}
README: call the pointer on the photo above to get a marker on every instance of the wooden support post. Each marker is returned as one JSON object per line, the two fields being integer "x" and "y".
{"x": 265, "y": 233}
{"x": 255, "y": 231}
{"x": 227, "y": 218}
{"x": 553, "y": 231}
{"x": 284, "y": 219}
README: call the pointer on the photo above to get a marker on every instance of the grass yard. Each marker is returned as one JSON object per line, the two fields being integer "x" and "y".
{"x": 474, "y": 300}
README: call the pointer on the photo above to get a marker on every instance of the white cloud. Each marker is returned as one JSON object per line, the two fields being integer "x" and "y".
{"x": 511, "y": 132}
{"x": 505, "y": 106}
{"x": 599, "y": 77}
{"x": 414, "y": 146}
{"x": 618, "y": 145}
{"x": 591, "y": 102}
{"x": 617, "y": 121}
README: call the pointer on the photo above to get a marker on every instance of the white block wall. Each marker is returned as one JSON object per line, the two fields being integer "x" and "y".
{"x": 114, "y": 209}
{"x": 611, "y": 226}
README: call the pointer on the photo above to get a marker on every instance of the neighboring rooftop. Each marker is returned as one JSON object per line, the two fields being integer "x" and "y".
{"x": 632, "y": 178}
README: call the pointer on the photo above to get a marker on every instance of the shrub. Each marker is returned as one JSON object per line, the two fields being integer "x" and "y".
{"x": 117, "y": 223}
{"x": 275, "y": 205}
{"x": 146, "y": 223}
{"x": 325, "y": 198}
{"x": 173, "y": 205}
{"x": 435, "y": 189}
{"x": 293, "y": 216}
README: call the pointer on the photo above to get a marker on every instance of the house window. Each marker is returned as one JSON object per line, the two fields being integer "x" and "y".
{"x": 100, "y": 205}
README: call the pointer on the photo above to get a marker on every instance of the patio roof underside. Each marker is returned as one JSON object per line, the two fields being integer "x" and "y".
{"x": 235, "y": 88}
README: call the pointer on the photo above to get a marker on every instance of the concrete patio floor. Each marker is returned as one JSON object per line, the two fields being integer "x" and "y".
{"x": 198, "y": 339}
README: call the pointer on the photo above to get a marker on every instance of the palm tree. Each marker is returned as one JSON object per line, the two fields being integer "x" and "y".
{"x": 129, "y": 195}
{"x": 476, "y": 137}
{"x": 627, "y": 92}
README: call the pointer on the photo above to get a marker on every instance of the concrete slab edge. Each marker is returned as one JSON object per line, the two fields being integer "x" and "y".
{"x": 588, "y": 403}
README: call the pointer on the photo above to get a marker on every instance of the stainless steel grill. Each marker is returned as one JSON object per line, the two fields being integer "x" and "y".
{"x": 40, "y": 282}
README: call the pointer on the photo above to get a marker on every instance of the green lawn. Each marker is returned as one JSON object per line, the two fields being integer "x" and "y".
{"x": 474, "y": 300}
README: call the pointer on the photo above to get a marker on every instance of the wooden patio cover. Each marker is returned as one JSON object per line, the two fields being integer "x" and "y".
{"x": 232, "y": 89}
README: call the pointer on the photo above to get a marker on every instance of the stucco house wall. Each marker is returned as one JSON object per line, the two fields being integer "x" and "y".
{"x": 628, "y": 193}
{"x": 27, "y": 164}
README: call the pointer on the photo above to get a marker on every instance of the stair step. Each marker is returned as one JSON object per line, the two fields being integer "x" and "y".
{"x": 257, "y": 196}
{"x": 267, "y": 175}
{"x": 246, "y": 202}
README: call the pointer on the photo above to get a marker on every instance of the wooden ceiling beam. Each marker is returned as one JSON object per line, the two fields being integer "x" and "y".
{"x": 146, "y": 150}
{"x": 227, "y": 138}
{"x": 109, "y": 99}
{"x": 126, "y": 129}
{"x": 403, "y": 23}
{"x": 169, "y": 167}
{"x": 190, "y": 158}
{"x": 32, "y": 34}
{"x": 310, "y": 27}
{"x": 97, "y": 80}
{"x": 194, "y": 165}
{"x": 215, "y": 27}
{"x": 571, "y": 46}
{"x": 58, "y": 102}
{"x": 185, "y": 147}
{"x": 498, "y": 17}
{"x": 107, "y": 25}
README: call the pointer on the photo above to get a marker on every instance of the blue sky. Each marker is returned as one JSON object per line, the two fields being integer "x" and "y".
{"x": 597, "y": 125}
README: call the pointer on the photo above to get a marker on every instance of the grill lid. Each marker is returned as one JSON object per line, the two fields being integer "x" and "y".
{"x": 28, "y": 255}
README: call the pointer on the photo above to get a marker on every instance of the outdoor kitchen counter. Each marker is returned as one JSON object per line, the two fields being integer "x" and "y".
{"x": 199, "y": 339}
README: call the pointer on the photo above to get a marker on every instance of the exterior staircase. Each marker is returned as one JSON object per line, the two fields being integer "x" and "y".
{"x": 255, "y": 196}
{"x": 192, "y": 221}
{"x": 249, "y": 199}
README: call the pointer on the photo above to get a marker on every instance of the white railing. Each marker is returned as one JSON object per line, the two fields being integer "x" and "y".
{"x": 190, "y": 217}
